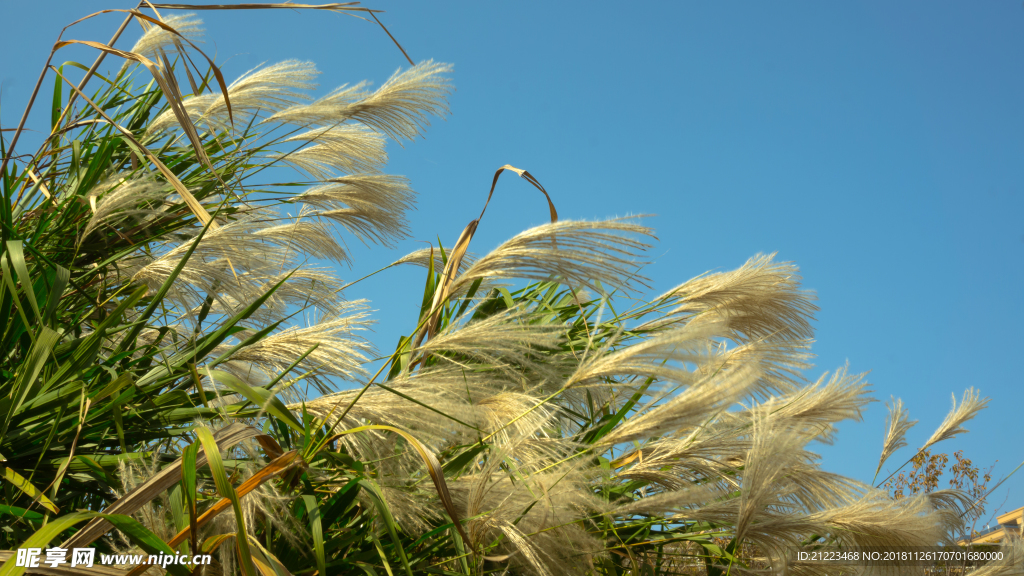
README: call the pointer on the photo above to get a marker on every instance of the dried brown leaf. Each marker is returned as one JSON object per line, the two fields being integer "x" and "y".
{"x": 459, "y": 251}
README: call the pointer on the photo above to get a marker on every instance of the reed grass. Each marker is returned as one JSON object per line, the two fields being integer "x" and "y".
{"x": 183, "y": 370}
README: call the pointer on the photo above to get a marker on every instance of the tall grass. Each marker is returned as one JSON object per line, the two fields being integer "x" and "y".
{"x": 178, "y": 356}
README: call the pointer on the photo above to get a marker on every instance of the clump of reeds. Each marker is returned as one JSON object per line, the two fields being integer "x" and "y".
{"x": 178, "y": 358}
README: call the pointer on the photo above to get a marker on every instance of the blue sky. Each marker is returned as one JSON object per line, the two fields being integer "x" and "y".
{"x": 878, "y": 145}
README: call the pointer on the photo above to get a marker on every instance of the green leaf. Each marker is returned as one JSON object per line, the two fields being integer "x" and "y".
{"x": 510, "y": 302}
{"x": 189, "y": 487}
{"x": 220, "y": 479}
{"x": 159, "y": 296}
{"x": 85, "y": 351}
{"x": 25, "y": 385}
{"x": 20, "y": 513}
{"x": 26, "y": 488}
{"x": 430, "y": 287}
{"x": 468, "y": 298}
{"x": 57, "y": 107}
{"x": 610, "y": 423}
{"x": 457, "y": 464}
{"x": 262, "y": 397}
{"x": 60, "y": 282}
{"x": 42, "y": 537}
{"x": 389, "y": 521}
{"x": 16, "y": 254}
{"x": 316, "y": 528}
{"x": 340, "y": 502}
{"x": 177, "y": 506}
{"x": 267, "y": 561}
{"x": 208, "y": 343}
{"x": 8, "y": 277}
{"x": 124, "y": 379}
{"x": 146, "y": 540}
{"x": 135, "y": 532}
{"x": 98, "y": 471}
{"x": 403, "y": 354}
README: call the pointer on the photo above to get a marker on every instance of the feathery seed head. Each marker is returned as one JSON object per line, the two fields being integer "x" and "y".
{"x": 761, "y": 299}
{"x": 155, "y": 38}
{"x": 399, "y": 108}
{"x": 897, "y": 424}
{"x": 579, "y": 253}
{"x": 261, "y": 89}
{"x": 970, "y": 405}
{"x": 117, "y": 200}
{"x": 347, "y": 149}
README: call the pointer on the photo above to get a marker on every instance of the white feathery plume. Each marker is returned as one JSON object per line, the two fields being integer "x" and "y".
{"x": 546, "y": 505}
{"x": 956, "y": 508}
{"x": 234, "y": 238}
{"x": 369, "y": 224}
{"x": 235, "y": 241}
{"x": 686, "y": 408}
{"x": 303, "y": 287}
{"x": 872, "y": 520}
{"x": 760, "y": 299}
{"x": 773, "y": 449}
{"x": 970, "y": 405}
{"x": 339, "y": 353}
{"x": 701, "y": 456}
{"x": 323, "y": 111}
{"x": 877, "y": 520}
{"x": 445, "y": 406}
{"x": 380, "y": 191}
{"x": 580, "y": 253}
{"x": 507, "y": 341}
{"x": 957, "y": 501}
{"x": 680, "y": 500}
{"x": 399, "y": 108}
{"x": 371, "y": 206}
{"x": 897, "y": 424}
{"x": 530, "y": 415}
{"x": 236, "y": 260}
{"x": 423, "y": 256}
{"x": 663, "y": 357}
{"x": 267, "y": 501}
{"x": 155, "y": 38}
{"x": 780, "y": 361}
{"x": 523, "y": 547}
{"x": 810, "y": 488}
{"x": 450, "y": 392}
{"x": 133, "y": 473}
{"x": 817, "y": 408}
{"x": 348, "y": 149}
{"x": 414, "y": 508}
{"x": 815, "y": 489}
{"x": 263, "y": 89}
{"x": 266, "y": 88}
{"x": 309, "y": 237}
{"x": 116, "y": 200}
{"x": 193, "y": 283}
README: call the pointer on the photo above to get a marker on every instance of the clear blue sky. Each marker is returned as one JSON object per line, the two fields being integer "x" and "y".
{"x": 876, "y": 144}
